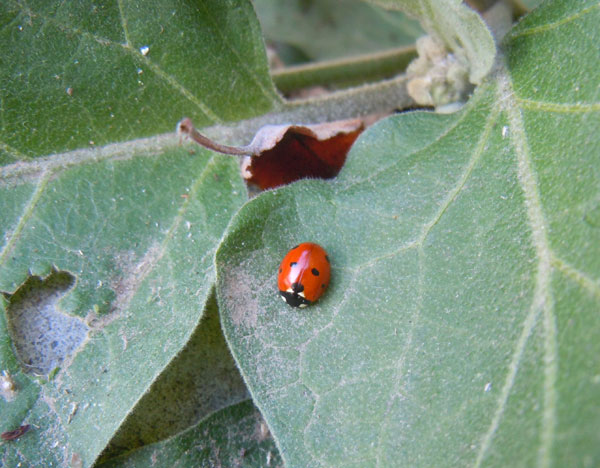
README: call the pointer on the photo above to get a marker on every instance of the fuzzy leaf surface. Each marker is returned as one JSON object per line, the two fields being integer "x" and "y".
{"x": 200, "y": 380}
{"x": 235, "y": 436}
{"x": 76, "y": 72}
{"x": 107, "y": 255}
{"x": 140, "y": 261}
{"x": 460, "y": 325}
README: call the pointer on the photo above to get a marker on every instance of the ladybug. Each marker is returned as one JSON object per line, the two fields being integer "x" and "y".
{"x": 303, "y": 274}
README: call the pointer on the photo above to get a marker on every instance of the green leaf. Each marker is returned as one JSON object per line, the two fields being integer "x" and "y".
{"x": 531, "y": 4}
{"x": 235, "y": 436}
{"x": 107, "y": 259}
{"x": 200, "y": 380}
{"x": 75, "y": 74}
{"x": 138, "y": 259}
{"x": 460, "y": 326}
{"x": 327, "y": 29}
{"x": 461, "y": 29}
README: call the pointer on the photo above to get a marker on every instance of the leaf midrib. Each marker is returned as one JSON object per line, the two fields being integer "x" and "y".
{"x": 542, "y": 301}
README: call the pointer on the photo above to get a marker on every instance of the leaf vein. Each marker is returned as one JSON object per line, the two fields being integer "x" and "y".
{"x": 124, "y": 23}
{"x": 579, "y": 277}
{"x": 450, "y": 197}
{"x": 162, "y": 248}
{"x": 180, "y": 88}
{"x": 556, "y": 24}
{"x": 128, "y": 48}
{"x": 143, "y": 147}
{"x": 391, "y": 166}
{"x": 542, "y": 301}
{"x": 453, "y": 194}
{"x": 26, "y": 216}
{"x": 564, "y": 108}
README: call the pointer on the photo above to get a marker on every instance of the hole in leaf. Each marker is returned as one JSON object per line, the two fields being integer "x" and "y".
{"x": 43, "y": 335}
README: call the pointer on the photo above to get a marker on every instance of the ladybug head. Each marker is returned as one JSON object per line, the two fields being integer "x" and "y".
{"x": 295, "y": 296}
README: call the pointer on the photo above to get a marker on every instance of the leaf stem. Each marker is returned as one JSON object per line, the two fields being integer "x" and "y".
{"x": 186, "y": 127}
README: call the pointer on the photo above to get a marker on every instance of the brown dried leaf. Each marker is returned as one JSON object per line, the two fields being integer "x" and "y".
{"x": 281, "y": 154}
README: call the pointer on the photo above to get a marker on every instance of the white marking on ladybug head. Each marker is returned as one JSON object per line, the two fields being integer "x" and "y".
{"x": 303, "y": 305}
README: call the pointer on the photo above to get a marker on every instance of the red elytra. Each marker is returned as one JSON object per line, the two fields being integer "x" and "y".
{"x": 304, "y": 274}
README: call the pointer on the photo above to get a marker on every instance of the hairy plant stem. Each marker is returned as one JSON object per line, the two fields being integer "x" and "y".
{"x": 381, "y": 97}
{"x": 186, "y": 127}
{"x": 376, "y": 98}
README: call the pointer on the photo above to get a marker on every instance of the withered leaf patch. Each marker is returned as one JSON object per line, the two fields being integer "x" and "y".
{"x": 281, "y": 154}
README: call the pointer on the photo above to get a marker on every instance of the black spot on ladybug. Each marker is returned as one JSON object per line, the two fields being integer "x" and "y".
{"x": 293, "y": 264}
{"x": 297, "y": 287}
{"x": 315, "y": 272}
{"x": 280, "y": 270}
{"x": 323, "y": 286}
{"x": 295, "y": 247}
{"x": 327, "y": 258}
